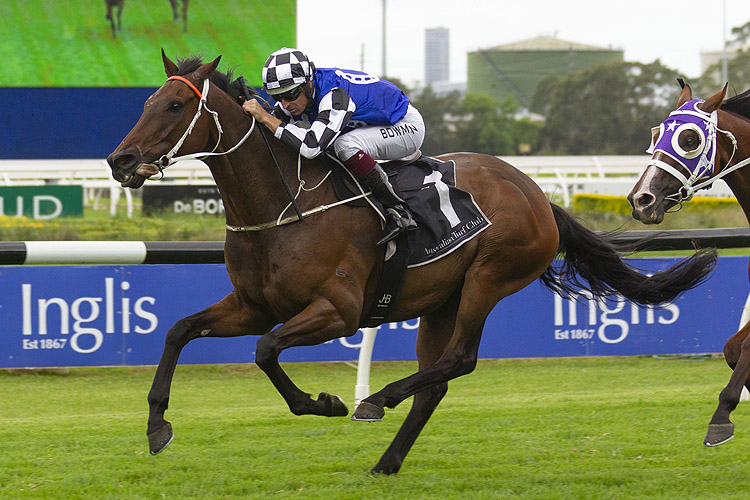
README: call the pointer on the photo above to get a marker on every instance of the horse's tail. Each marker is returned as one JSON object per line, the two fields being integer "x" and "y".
{"x": 592, "y": 262}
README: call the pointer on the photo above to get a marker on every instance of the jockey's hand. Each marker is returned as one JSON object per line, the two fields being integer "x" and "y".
{"x": 254, "y": 108}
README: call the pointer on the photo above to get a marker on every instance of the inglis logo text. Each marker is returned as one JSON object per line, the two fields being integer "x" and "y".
{"x": 611, "y": 325}
{"x": 56, "y": 315}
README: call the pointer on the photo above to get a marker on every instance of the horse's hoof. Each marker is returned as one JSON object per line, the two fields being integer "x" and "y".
{"x": 335, "y": 406}
{"x": 160, "y": 438}
{"x": 368, "y": 412}
{"x": 718, "y": 434}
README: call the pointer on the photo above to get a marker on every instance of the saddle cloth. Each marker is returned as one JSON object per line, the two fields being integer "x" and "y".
{"x": 447, "y": 216}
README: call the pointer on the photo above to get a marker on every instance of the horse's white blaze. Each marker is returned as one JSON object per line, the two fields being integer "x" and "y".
{"x": 644, "y": 186}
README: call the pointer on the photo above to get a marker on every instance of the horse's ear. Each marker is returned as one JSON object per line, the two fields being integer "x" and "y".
{"x": 207, "y": 69}
{"x": 686, "y": 94}
{"x": 714, "y": 102}
{"x": 169, "y": 66}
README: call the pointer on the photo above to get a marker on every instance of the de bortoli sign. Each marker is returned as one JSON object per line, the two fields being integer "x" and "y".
{"x": 41, "y": 202}
{"x": 119, "y": 315}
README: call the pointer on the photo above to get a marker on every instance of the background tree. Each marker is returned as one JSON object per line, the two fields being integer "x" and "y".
{"x": 439, "y": 115}
{"x": 604, "y": 109}
{"x": 475, "y": 123}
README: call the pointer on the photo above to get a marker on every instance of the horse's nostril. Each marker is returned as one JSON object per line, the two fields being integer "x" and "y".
{"x": 643, "y": 200}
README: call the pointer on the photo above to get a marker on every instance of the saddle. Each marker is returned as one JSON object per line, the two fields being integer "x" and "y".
{"x": 447, "y": 217}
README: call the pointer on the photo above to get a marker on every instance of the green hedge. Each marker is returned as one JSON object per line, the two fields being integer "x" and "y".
{"x": 600, "y": 203}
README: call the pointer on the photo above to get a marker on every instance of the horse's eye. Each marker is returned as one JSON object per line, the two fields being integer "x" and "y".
{"x": 175, "y": 107}
{"x": 689, "y": 140}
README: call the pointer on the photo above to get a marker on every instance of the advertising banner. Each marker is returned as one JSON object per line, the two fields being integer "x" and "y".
{"x": 119, "y": 315}
{"x": 41, "y": 202}
{"x": 180, "y": 199}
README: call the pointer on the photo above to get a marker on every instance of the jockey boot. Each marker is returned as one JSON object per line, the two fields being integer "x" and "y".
{"x": 398, "y": 216}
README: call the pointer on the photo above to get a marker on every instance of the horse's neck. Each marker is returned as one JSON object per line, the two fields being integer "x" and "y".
{"x": 739, "y": 180}
{"x": 251, "y": 187}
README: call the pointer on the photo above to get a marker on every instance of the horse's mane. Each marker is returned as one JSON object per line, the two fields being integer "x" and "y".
{"x": 225, "y": 81}
{"x": 739, "y": 104}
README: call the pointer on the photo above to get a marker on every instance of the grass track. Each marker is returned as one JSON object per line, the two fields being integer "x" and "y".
{"x": 556, "y": 428}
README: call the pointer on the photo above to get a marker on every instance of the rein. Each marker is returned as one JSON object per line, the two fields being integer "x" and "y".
{"x": 281, "y": 220}
{"x": 169, "y": 158}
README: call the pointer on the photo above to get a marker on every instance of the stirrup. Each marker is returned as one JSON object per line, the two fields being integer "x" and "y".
{"x": 393, "y": 227}
{"x": 395, "y": 224}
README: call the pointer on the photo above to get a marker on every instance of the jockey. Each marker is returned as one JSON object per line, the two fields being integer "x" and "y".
{"x": 362, "y": 116}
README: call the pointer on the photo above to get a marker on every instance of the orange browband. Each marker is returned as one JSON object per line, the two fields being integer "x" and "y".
{"x": 185, "y": 80}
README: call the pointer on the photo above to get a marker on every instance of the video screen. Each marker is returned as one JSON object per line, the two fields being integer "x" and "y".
{"x": 117, "y": 43}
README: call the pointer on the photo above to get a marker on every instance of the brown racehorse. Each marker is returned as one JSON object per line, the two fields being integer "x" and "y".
{"x": 660, "y": 189}
{"x": 317, "y": 278}
{"x": 115, "y": 19}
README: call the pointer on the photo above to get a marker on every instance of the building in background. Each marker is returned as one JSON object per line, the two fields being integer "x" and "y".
{"x": 516, "y": 68}
{"x": 436, "y": 55}
{"x": 715, "y": 57}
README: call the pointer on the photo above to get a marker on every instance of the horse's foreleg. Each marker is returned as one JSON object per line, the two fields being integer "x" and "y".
{"x": 227, "y": 318}
{"x": 434, "y": 333}
{"x": 737, "y": 355}
{"x": 319, "y": 322}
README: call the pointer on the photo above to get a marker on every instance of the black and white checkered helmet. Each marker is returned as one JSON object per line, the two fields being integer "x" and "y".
{"x": 286, "y": 69}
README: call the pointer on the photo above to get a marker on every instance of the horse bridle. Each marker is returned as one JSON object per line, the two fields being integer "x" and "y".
{"x": 705, "y": 167}
{"x": 169, "y": 158}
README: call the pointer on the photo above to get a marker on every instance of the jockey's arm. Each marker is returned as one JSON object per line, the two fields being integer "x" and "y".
{"x": 334, "y": 112}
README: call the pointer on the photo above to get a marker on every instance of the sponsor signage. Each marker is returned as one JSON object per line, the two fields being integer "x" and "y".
{"x": 41, "y": 202}
{"x": 181, "y": 199}
{"x": 119, "y": 315}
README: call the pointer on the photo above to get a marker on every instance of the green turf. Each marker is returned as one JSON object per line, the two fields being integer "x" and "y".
{"x": 542, "y": 429}
{"x": 70, "y": 44}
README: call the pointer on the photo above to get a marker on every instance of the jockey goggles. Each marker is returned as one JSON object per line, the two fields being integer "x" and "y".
{"x": 289, "y": 95}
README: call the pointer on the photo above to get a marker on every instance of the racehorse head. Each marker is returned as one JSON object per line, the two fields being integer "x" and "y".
{"x": 169, "y": 123}
{"x": 686, "y": 157}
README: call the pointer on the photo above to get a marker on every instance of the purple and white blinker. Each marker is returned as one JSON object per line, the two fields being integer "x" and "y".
{"x": 698, "y": 162}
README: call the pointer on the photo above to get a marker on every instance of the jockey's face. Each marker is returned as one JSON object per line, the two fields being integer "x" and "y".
{"x": 297, "y": 105}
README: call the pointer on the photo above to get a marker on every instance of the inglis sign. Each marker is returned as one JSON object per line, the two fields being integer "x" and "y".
{"x": 115, "y": 315}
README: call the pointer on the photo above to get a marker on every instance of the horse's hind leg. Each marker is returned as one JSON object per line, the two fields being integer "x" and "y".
{"x": 478, "y": 297}
{"x": 434, "y": 333}
{"x": 737, "y": 355}
{"x": 227, "y": 318}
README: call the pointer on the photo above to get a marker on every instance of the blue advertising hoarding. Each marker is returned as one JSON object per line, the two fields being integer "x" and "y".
{"x": 119, "y": 315}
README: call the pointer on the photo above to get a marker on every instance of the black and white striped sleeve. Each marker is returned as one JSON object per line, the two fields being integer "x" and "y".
{"x": 334, "y": 112}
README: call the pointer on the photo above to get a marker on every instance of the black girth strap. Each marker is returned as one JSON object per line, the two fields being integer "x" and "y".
{"x": 391, "y": 283}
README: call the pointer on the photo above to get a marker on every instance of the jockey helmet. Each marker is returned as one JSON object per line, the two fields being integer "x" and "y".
{"x": 285, "y": 70}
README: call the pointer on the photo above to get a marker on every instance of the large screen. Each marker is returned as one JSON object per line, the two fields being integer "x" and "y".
{"x": 71, "y": 43}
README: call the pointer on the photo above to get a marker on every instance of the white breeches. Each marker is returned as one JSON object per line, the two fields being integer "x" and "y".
{"x": 390, "y": 142}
